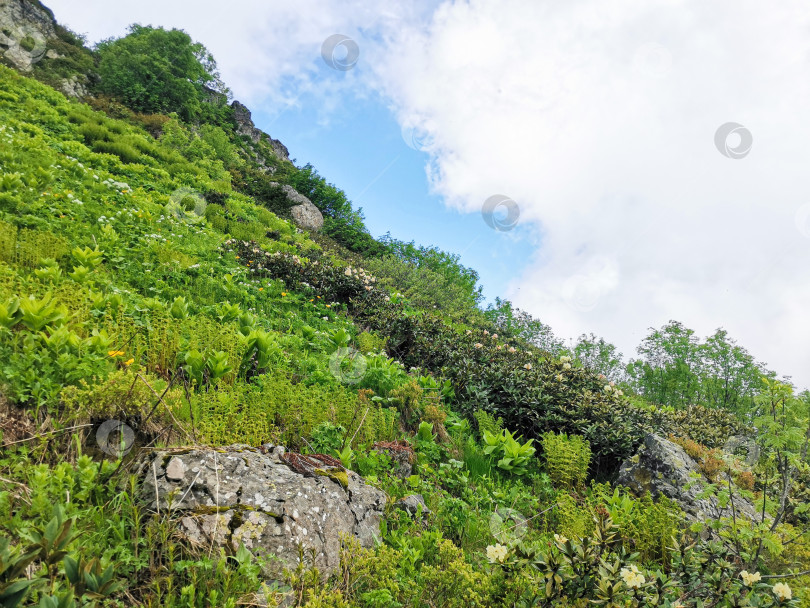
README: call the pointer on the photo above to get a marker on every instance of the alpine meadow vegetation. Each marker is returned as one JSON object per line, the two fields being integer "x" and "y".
{"x": 150, "y": 273}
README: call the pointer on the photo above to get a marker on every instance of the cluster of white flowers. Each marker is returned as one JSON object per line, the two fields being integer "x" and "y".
{"x": 566, "y": 361}
{"x": 632, "y": 577}
{"x": 359, "y": 273}
{"x": 478, "y": 345}
{"x": 528, "y": 366}
{"x": 496, "y": 553}
{"x": 750, "y": 578}
{"x": 782, "y": 591}
{"x": 122, "y": 187}
{"x": 611, "y": 388}
{"x": 559, "y": 538}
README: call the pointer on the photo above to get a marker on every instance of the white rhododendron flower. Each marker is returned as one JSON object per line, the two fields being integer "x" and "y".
{"x": 632, "y": 577}
{"x": 496, "y": 553}
{"x": 750, "y": 578}
{"x": 782, "y": 591}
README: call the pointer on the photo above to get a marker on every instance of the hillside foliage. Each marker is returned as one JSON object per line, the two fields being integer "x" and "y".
{"x": 149, "y": 274}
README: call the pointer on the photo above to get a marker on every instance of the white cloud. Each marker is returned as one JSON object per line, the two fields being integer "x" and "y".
{"x": 598, "y": 117}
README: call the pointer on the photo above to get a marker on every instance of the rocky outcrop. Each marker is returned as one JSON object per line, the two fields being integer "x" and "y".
{"x": 663, "y": 468}
{"x": 25, "y": 28}
{"x": 245, "y": 126}
{"x": 240, "y": 496}
{"x": 305, "y": 214}
{"x": 75, "y": 87}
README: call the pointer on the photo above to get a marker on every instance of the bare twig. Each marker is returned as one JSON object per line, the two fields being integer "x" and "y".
{"x": 70, "y": 428}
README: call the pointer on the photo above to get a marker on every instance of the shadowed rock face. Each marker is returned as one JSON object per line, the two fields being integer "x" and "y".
{"x": 245, "y": 126}
{"x": 25, "y": 28}
{"x": 662, "y": 467}
{"x": 240, "y": 496}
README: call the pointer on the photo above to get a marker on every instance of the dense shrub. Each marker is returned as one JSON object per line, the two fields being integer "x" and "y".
{"x": 153, "y": 70}
{"x": 122, "y": 150}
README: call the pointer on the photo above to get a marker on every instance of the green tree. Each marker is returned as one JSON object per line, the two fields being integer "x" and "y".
{"x": 730, "y": 377}
{"x": 600, "y": 357}
{"x": 515, "y": 323}
{"x": 676, "y": 368}
{"x": 154, "y": 70}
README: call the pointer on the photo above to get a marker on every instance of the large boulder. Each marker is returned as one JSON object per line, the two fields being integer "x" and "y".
{"x": 25, "y": 28}
{"x": 304, "y": 213}
{"x": 241, "y": 496}
{"x": 663, "y": 468}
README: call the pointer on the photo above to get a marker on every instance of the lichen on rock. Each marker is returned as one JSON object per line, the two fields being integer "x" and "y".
{"x": 240, "y": 496}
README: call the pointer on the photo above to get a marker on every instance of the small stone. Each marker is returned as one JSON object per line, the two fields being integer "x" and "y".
{"x": 411, "y": 504}
{"x": 176, "y": 470}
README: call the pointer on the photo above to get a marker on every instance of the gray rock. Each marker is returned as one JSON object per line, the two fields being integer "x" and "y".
{"x": 411, "y": 504}
{"x": 663, "y": 468}
{"x": 25, "y": 28}
{"x": 304, "y": 213}
{"x": 176, "y": 470}
{"x": 75, "y": 87}
{"x": 737, "y": 444}
{"x": 245, "y": 126}
{"x": 241, "y": 496}
{"x": 307, "y": 216}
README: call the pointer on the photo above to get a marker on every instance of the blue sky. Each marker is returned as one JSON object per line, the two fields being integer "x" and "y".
{"x": 359, "y": 147}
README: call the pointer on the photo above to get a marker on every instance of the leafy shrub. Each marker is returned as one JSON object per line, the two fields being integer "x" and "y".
{"x": 744, "y": 480}
{"x": 124, "y": 151}
{"x": 487, "y": 422}
{"x": 92, "y": 133}
{"x": 510, "y": 454}
{"x": 153, "y": 70}
{"x": 567, "y": 459}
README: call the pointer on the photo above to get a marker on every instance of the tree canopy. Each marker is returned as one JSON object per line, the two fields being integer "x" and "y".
{"x": 154, "y": 70}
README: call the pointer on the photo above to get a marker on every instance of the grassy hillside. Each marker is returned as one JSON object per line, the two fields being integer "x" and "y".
{"x": 155, "y": 281}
